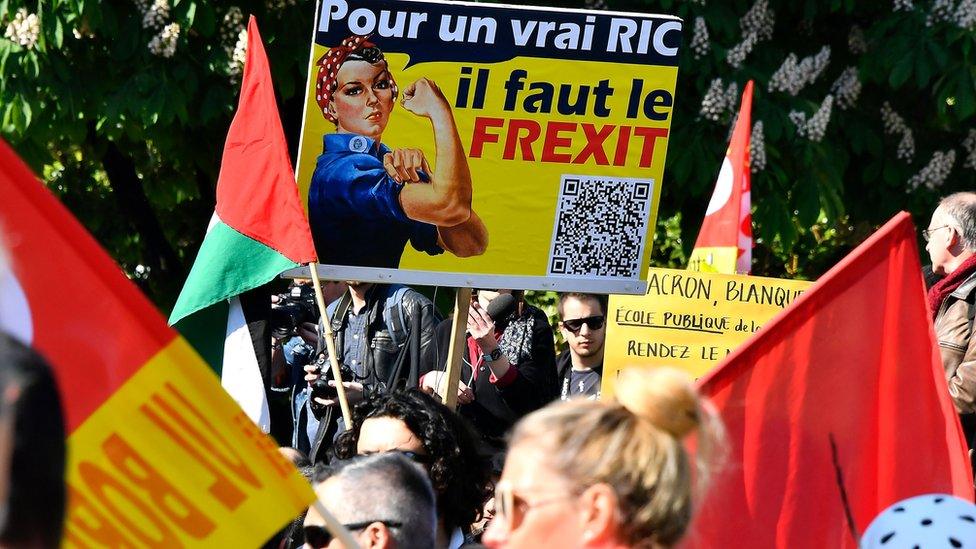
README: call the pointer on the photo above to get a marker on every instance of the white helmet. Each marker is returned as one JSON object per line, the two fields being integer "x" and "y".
{"x": 932, "y": 520}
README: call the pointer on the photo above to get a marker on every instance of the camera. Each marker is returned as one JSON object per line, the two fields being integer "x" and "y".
{"x": 320, "y": 387}
{"x": 292, "y": 309}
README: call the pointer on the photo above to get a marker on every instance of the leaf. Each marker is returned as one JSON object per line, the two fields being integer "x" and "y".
{"x": 806, "y": 200}
{"x": 901, "y": 72}
{"x": 923, "y": 71}
{"x": 205, "y": 20}
{"x": 191, "y": 13}
{"x": 58, "y": 32}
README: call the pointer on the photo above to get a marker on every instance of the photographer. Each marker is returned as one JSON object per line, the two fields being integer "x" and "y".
{"x": 294, "y": 316}
{"x": 383, "y": 338}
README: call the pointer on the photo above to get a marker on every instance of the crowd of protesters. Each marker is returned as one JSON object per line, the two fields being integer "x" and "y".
{"x": 532, "y": 457}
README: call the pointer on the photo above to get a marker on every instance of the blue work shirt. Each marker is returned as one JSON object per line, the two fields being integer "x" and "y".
{"x": 354, "y": 207}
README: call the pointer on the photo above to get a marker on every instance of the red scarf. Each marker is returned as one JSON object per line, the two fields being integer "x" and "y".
{"x": 947, "y": 285}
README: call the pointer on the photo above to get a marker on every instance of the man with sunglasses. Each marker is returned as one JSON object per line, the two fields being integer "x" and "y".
{"x": 583, "y": 325}
{"x": 384, "y": 500}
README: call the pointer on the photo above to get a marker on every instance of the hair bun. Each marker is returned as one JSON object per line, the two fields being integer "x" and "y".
{"x": 665, "y": 397}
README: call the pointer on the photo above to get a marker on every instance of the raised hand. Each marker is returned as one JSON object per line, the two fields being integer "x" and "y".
{"x": 424, "y": 98}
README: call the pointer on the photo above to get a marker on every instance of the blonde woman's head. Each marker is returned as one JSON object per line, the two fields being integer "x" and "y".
{"x": 605, "y": 474}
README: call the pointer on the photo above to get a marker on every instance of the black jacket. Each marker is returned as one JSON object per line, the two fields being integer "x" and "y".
{"x": 496, "y": 409}
{"x": 398, "y": 356}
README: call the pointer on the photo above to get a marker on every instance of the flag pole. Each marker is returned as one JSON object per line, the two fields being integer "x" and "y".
{"x": 330, "y": 345}
{"x": 334, "y": 526}
{"x": 455, "y": 351}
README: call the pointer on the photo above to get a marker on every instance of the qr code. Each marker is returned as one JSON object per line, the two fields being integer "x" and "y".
{"x": 601, "y": 226}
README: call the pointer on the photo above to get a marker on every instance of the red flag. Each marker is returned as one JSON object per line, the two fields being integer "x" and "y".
{"x": 256, "y": 191}
{"x": 842, "y": 398}
{"x": 724, "y": 243}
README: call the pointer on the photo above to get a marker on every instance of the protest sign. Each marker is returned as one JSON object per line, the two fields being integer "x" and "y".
{"x": 530, "y": 143}
{"x": 690, "y": 320}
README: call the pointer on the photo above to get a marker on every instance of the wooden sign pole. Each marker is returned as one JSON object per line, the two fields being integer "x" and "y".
{"x": 330, "y": 345}
{"x": 456, "y": 349}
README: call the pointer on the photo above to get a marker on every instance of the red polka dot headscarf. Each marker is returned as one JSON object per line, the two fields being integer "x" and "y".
{"x": 355, "y": 47}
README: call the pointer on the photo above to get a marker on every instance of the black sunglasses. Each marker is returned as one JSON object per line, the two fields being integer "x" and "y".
{"x": 319, "y": 536}
{"x": 576, "y": 324}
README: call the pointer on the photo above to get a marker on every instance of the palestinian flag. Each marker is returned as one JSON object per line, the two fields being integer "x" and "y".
{"x": 258, "y": 230}
{"x": 724, "y": 243}
{"x": 158, "y": 454}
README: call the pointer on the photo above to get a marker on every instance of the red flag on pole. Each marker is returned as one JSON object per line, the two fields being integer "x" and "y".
{"x": 835, "y": 410}
{"x": 724, "y": 243}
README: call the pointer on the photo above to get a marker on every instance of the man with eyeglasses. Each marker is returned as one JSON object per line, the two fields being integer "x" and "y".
{"x": 951, "y": 244}
{"x": 583, "y": 325}
{"x": 384, "y": 500}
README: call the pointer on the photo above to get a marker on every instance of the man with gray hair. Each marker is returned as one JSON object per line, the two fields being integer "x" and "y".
{"x": 385, "y": 500}
{"x": 951, "y": 243}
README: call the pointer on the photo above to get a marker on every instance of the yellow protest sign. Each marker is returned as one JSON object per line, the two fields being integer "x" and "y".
{"x": 472, "y": 144}
{"x": 690, "y": 320}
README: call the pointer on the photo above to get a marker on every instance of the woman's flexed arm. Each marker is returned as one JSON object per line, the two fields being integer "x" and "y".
{"x": 446, "y": 202}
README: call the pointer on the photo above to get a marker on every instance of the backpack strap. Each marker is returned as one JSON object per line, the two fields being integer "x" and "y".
{"x": 393, "y": 316}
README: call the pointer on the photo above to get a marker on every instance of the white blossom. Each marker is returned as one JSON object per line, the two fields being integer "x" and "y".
{"x": 731, "y": 96}
{"x": 847, "y": 88}
{"x": 894, "y": 124}
{"x": 738, "y": 53}
{"x": 970, "y": 145}
{"x": 935, "y": 172}
{"x": 906, "y": 146}
{"x": 792, "y": 76}
{"x": 903, "y": 5}
{"x": 941, "y": 11}
{"x": 714, "y": 103}
{"x": 815, "y": 128}
{"x": 757, "y": 148}
{"x": 236, "y": 65}
{"x": 273, "y": 5}
{"x": 156, "y": 15}
{"x": 759, "y": 20}
{"x": 231, "y": 25}
{"x": 965, "y": 15}
{"x": 230, "y": 29}
{"x": 24, "y": 29}
{"x": 164, "y": 43}
{"x": 699, "y": 38}
{"x": 856, "y": 41}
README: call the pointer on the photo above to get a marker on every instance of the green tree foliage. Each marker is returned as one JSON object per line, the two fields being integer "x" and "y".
{"x": 123, "y": 108}
{"x": 823, "y": 188}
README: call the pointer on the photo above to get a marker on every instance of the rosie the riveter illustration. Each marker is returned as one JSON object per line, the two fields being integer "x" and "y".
{"x": 367, "y": 200}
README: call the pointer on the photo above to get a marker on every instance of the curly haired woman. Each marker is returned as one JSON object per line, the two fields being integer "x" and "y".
{"x": 413, "y": 423}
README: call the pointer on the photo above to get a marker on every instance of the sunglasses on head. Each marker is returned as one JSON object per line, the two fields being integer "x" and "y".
{"x": 318, "y": 537}
{"x": 592, "y": 322}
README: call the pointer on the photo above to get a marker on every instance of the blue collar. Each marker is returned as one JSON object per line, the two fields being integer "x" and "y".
{"x": 349, "y": 143}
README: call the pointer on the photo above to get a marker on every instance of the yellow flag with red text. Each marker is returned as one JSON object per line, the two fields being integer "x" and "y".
{"x": 159, "y": 454}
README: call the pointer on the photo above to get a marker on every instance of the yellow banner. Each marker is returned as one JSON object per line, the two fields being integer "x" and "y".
{"x": 563, "y": 117}
{"x": 690, "y": 320}
{"x": 171, "y": 461}
{"x": 713, "y": 260}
